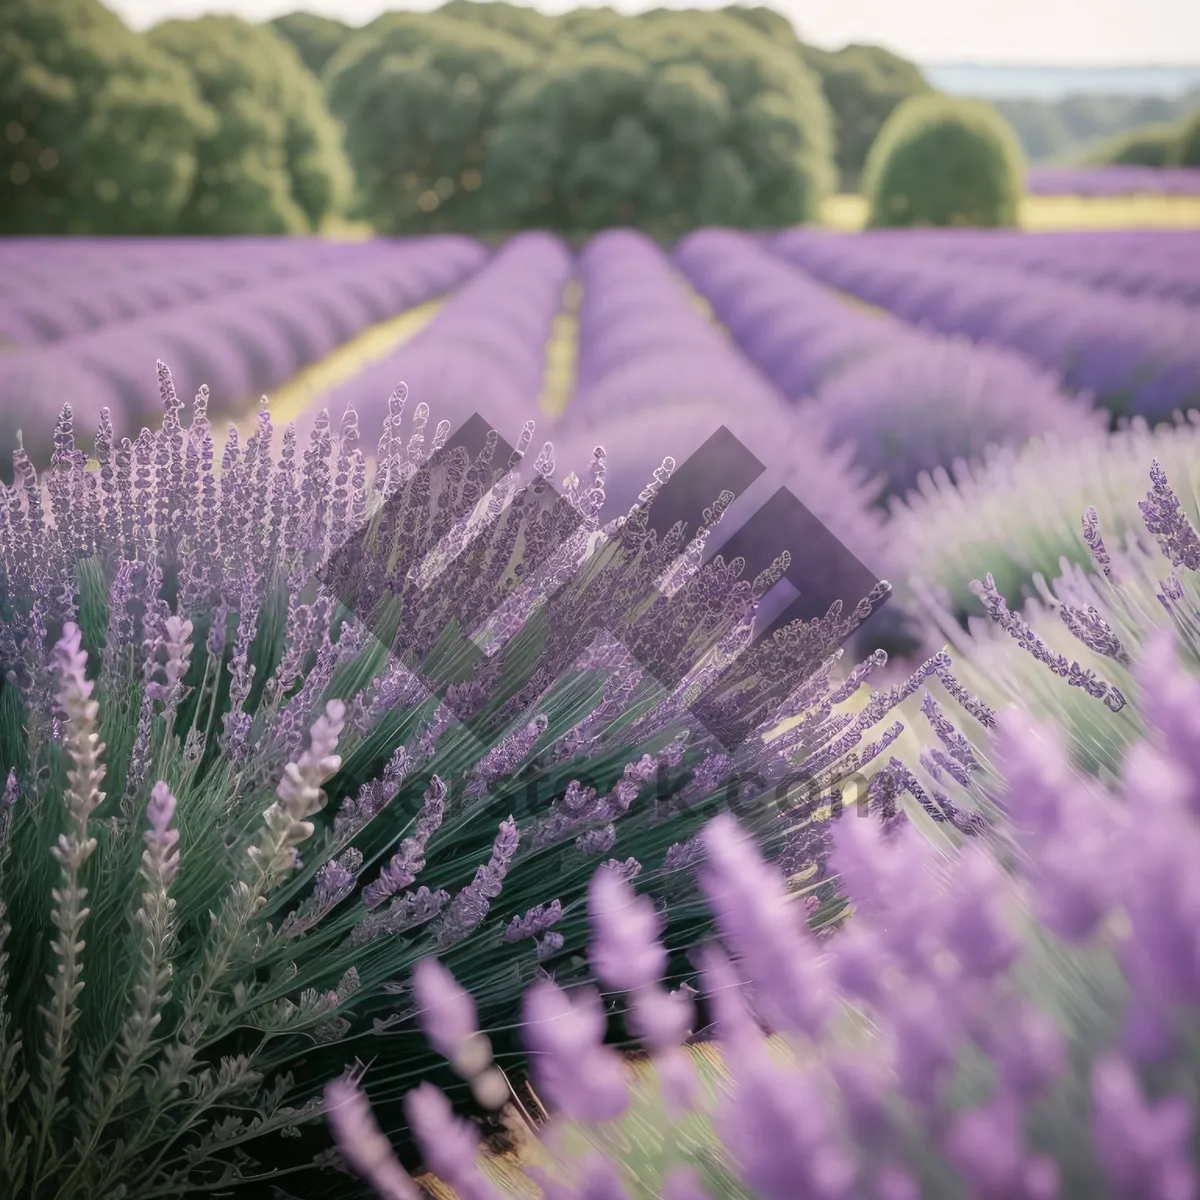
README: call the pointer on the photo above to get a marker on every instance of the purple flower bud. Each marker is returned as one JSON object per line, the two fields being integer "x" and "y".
{"x": 364, "y": 1146}
{"x": 780, "y": 1132}
{"x": 1171, "y": 702}
{"x": 446, "y": 1010}
{"x": 469, "y": 908}
{"x": 449, "y": 1145}
{"x": 535, "y": 922}
{"x": 1145, "y": 1149}
{"x": 749, "y": 901}
{"x": 597, "y": 841}
{"x": 625, "y": 951}
{"x": 160, "y": 859}
{"x": 661, "y": 1019}
{"x": 335, "y": 880}
{"x": 978, "y": 929}
{"x": 1029, "y": 1051}
{"x": 988, "y": 1148}
{"x": 580, "y": 1077}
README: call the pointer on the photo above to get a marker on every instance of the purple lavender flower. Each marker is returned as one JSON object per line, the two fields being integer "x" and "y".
{"x": 1145, "y": 1148}
{"x": 470, "y": 906}
{"x": 579, "y": 1076}
{"x": 161, "y": 856}
{"x": 625, "y": 954}
{"x": 448, "y": 1144}
{"x": 1168, "y": 523}
{"x": 335, "y": 880}
{"x": 988, "y": 1147}
{"x": 446, "y": 1010}
{"x": 359, "y": 1139}
{"x": 748, "y": 901}
{"x": 535, "y": 922}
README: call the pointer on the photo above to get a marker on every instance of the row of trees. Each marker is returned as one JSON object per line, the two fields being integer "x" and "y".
{"x": 474, "y": 117}
{"x": 1074, "y": 127}
{"x": 1166, "y": 144}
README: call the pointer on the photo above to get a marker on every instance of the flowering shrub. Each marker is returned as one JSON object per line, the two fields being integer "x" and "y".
{"x": 1010, "y": 1017}
{"x": 1017, "y": 514}
{"x": 932, "y": 403}
{"x": 1076, "y": 643}
{"x": 238, "y": 810}
{"x": 1136, "y": 355}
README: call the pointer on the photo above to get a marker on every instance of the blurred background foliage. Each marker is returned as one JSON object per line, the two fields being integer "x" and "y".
{"x": 476, "y": 117}
{"x": 939, "y": 160}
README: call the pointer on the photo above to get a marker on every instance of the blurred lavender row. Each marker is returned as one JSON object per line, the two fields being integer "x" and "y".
{"x": 1114, "y": 181}
{"x": 484, "y": 352}
{"x": 47, "y": 294}
{"x": 657, "y": 379}
{"x": 904, "y": 400}
{"x": 240, "y": 341}
{"x": 1164, "y": 264}
{"x": 1136, "y": 355}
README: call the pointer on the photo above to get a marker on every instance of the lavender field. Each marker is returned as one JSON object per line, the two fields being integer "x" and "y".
{"x": 1003, "y": 426}
{"x": 869, "y": 372}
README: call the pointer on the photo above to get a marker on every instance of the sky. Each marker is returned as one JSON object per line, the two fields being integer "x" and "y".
{"x": 1052, "y": 32}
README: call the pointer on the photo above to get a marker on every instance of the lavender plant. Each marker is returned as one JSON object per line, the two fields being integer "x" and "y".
{"x": 1010, "y": 1018}
{"x": 239, "y": 808}
{"x": 1077, "y": 641}
{"x": 1018, "y": 514}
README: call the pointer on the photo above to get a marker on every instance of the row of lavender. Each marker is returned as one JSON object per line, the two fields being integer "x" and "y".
{"x": 484, "y": 352}
{"x": 1114, "y": 181}
{"x": 242, "y": 320}
{"x": 1160, "y": 264}
{"x": 51, "y": 290}
{"x": 1137, "y": 355}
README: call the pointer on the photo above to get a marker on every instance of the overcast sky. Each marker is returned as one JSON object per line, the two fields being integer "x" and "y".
{"x": 1059, "y": 32}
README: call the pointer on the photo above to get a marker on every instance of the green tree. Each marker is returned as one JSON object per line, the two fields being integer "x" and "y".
{"x": 418, "y": 94}
{"x": 862, "y": 84}
{"x": 1150, "y": 146}
{"x": 275, "y": 162}
{"x": 525, "y": 24}
{"x": 665, "y": 121}
{"x": 944, "y": 161}
{"x": 1187, "y": 152}
{"x": 316, "y": 39}
{"x": 98, "y": 133}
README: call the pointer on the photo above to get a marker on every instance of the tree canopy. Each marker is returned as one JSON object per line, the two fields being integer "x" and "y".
{"x": 1187, "y": 153}
{"x": 862, "y": 84}
{"x": 479, "y": 116}
{"x": 418, "y": 94}
{"x": 274, "y": 163}
{"x": 100, "y": 134}
{"x": 660, "y": 121}
{"x": 945, "y": 161}
{"x": 316, "y": 39}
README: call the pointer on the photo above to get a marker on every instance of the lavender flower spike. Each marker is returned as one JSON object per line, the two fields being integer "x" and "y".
{"x": 450, "y": 1146}
{"x": 299, "y": 794}
{"x": 577, "y": 1073}
{"x": 469, "y": 908}
{"x": 367, "y": 1151}
{"x": 71, "y": 851}
{"x": 447, "y": 1015}
{"x": 160, "y": 859}
{"x": 535, "y": 922}
{"x": 625, "y": 954}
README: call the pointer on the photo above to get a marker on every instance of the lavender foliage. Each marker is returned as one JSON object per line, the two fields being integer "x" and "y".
{"x": 171, "y": 663}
